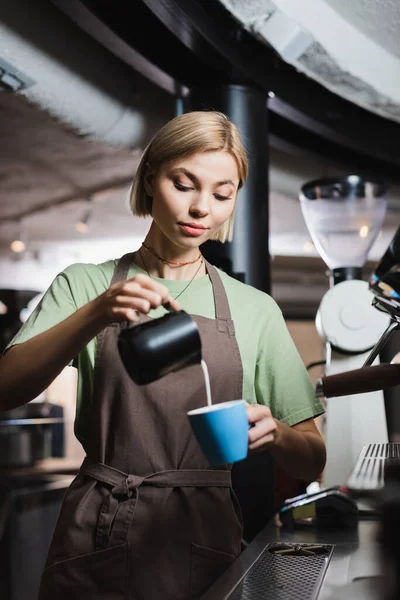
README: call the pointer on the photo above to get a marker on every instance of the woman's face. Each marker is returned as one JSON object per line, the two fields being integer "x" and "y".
{"x": 193, "y": 197}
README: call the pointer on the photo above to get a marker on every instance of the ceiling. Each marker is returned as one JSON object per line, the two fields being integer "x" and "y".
{"x": 351, "y": 48}
{"x": 78, "y": 130}
{"x": 379, "y": 20}
{"x": 48, "y": 174}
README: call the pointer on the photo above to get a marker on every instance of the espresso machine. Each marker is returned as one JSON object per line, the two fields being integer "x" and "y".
{"x": 368, "y": 473}
{"x": 344, "y": 217}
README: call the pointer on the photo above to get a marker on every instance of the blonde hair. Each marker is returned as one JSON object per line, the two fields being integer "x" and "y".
{"x": 183, "y": 136}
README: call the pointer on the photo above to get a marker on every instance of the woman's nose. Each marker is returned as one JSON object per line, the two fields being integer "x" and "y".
{"x": 199, "y": 206}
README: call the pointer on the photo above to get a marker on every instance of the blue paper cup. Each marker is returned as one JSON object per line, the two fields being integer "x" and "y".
{"x": 221, "y": 431}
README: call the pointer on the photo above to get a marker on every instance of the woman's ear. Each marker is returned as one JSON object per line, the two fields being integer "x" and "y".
{"x": 148, "y": 180}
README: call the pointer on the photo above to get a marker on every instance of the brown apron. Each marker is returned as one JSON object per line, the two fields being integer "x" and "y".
{"x": 147, "y": 518}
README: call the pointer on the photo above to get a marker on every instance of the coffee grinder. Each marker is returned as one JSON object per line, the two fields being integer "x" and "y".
{"x": 344, "y": 217}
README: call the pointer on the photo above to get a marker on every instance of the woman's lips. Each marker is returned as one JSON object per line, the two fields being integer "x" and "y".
{"x": 192, "y": 229}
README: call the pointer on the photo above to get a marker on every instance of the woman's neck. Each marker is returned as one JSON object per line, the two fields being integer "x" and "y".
{"x": 165, "y": 250}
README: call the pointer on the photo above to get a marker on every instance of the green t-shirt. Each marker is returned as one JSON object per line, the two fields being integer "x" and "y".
{"x": 273, "y": 372}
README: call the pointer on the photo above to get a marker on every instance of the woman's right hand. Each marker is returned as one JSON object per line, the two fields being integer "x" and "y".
{"x": 28, "y": 368}
{"x": 125, "y": 299}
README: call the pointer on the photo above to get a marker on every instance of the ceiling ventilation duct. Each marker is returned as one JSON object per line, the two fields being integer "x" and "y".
{"x": 321, "y": 43}
{"x": 69, "y": 75}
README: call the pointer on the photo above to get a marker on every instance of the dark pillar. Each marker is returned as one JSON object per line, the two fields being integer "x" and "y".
{"x": 247, "y": 256}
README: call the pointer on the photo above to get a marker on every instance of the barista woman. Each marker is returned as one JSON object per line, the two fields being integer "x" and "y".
{"x": 147, "y": 517}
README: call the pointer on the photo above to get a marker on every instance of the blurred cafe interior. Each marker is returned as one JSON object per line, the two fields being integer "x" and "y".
{"x": 314, "y": 89}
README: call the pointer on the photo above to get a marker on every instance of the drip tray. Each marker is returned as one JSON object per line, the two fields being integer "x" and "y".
{"x": 285, "y": 572}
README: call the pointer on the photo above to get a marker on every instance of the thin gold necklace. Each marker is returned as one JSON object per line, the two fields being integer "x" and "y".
{"x": 186, "y": 287}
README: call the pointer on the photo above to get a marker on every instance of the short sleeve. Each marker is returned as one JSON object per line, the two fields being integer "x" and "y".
{"x": 282, "y": 381}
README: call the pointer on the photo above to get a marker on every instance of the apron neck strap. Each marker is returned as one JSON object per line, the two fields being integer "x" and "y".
{"x": 122, "y": 268}
{"x": 222, "y": 310}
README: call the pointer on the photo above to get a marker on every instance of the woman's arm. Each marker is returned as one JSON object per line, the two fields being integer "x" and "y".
{"x": 28, "y": 368}
{"x": 299, "y": 450}
{"x": 285, "y": 394}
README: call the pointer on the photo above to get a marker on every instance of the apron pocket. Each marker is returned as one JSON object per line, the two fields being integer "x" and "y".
{"x": 101, "y": 575}
{"x": 206, "y": 565}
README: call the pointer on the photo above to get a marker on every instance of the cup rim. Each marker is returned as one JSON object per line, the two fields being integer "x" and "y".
{"x": 214, "y": 407}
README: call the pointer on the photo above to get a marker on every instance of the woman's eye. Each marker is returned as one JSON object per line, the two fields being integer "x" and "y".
{"x": 180, "y": 187}
{"x": 219, "y": 197}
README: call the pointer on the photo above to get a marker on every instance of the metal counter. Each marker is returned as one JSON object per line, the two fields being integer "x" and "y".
{"x": 353, "y": 571}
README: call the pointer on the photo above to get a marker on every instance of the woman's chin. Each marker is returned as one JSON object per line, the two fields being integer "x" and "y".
{"x": 188, "y": 241}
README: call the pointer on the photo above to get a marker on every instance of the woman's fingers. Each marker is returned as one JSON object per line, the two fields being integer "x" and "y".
{"x": 145, "y": 282}
{"x": 136, "y": 303}
{"x": 134, "y": 290}
{"x": 145, "y": 287}
{"x": 175, "y": 305}
{"x": 262, "y": 442}
{"x": 124, "y": 300}
{"x": 141, "y": 287}
{"x": 264, "y": 427}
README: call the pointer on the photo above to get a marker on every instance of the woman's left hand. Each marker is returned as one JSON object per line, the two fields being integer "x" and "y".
{"x": 265, "y": 428}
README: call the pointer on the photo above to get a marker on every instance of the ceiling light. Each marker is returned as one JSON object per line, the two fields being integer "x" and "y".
{"x": 82, "y": 227}
{"x": 17, "y": 246}
{"x": 83, "y": 224}
{"x": 353, "y": 179}
{"x": 364, "y": 231}
{"x": 308, "y": 247}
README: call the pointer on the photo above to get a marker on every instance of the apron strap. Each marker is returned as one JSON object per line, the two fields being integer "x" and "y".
{"x": 189, "y": 478}
{"x": 119, "y": 506}
{"x": 122, "y": 268}
{"x": 222, "y": 310}
{"x": 120, "y": 274}
{"x": 174, "y": 478}
{"x": 118, "y": 480}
